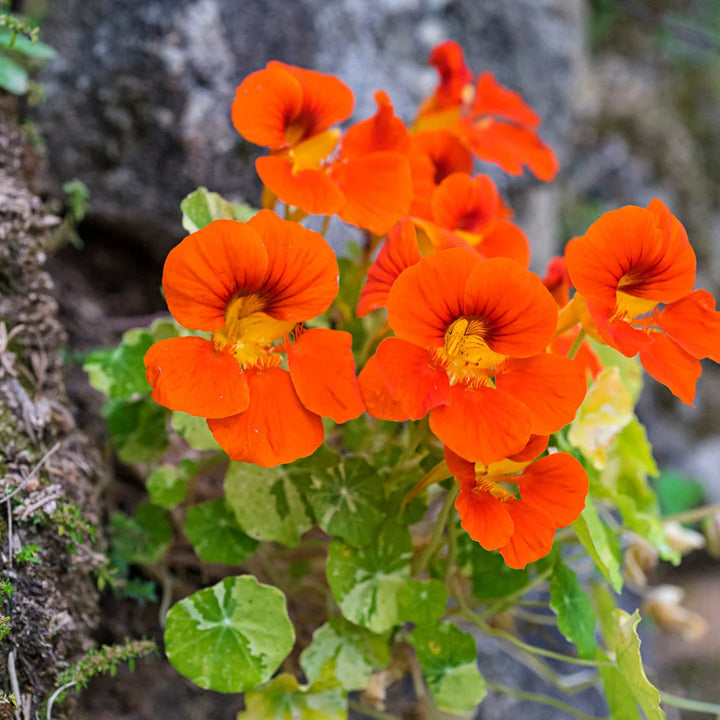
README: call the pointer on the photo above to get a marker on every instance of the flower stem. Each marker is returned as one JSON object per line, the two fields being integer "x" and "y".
{"x": 692, "y": 515}
{"x": 543, "y": 699}
{"x": 577, "y": 342}
{"x": 688, "y": 704}
{"x": 437, "y": 533}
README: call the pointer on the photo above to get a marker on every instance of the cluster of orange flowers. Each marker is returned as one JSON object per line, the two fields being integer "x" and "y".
{"x": 481, "y": 344}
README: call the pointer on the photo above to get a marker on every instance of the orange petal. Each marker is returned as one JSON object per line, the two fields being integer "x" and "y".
{"x": 644, "y": 253}
{"x": 399, "y": 252}
{"x": 518, "y": 311}
{"x": 449, "y": 61}
{"x": 550, "y": 386}
{"x": 585, "y": 358}
{"x": 471, "y": 204}
{"x": 207, "y": 268}
{"x": 412, "y": 376}
{"x": 511, "y": 147}
{"x": 505, "y": 239}
{"x": 189, "y": 375}
{"x": 462, "y": 469}
{"x": 532, "y": 538}
{"x": 615, "y": 331}
{"x": 672, "y": 366}
{"x": 483, "y": 517}
{"x": 265, "y": 103}
{"x": 327, "y": 100}
{"x": 536, "y": 445}
{"x": 429, "y": 296}
{"x": 481, "y": 424}
{"x": 310, "y": 190}
{"x": 557, "y": 280}
{"x": 557, "y": 484}
{"x": 276, "y": 428}
{"x": 377, "y": 189}
{"x": 376, "y": 395}
{"x": 302, "y": 275}
{"x": 447, "y": 154}
{"x": 383, "y": 132}
{"x": 492, "y": 98}
{"x": 694, "y": 324}
{"x": 322, "y": 370}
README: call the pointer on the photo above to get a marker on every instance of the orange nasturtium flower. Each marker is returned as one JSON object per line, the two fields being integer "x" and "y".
{"x": 552, "y": 495}
{"x": 494, "y": 122}
{"x": 470, "y": 349}
{"x": 262, "y": 381}
{"x": 634, "y": 271}
{"x": 290, "y": 110}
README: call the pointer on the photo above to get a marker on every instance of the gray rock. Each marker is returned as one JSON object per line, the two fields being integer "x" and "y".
{"x": 138, "y": 102}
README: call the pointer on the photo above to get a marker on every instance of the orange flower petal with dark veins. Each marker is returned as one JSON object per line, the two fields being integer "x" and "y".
{"x": 471, "y": 204}
{"x": 322, "y": 370}
{"x": 429, "y": 296}
{"x": 462, "y": 469}
{"x": 533, "y": 536}
{"x": 412, "y": 377}
{"x": 376, "y": 395}
{"x": 617, "y": 332}
{"x": 310, "y": 190}
{"x": 377, "y": 188}
{"x": 557, "y": 484}
{"x": 399, "y": 252}
{"x": 189, "y": 375}
{"x": 208, "y": 267}
{"x": 302, "y": 275}
{"x": 481, "y": 424}
{"x": 492, "y": 98}
{"x": 672, "y": 366}
{"x": 519, "y": 313}
{"x": 282, "y": 105}
{"x": 510, "y": 147}
{"x": 275, "y": 429}
{"x": 383, "y": 132}
{"x": 694, "y": 324}
{"x": 483, "y": 517}
{"x": 644, "y": 253}
{"x": 552, "y": 387}
{"x": 327, "y": 100}
{"x": 447, "y": 154}
{"x": 264, "y": 103}
{"x": 505, "y": 239}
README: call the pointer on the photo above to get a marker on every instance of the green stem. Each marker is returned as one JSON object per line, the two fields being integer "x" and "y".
{"x": 688, "y": 704}
{"x": 532, "y": 649}
{"x": 325, "y": 225}
{"x": 542, "y": 699}
{"x": 437, "y": 533}
{"x": 577, "y": 342}
{"x": 450, "y": 565}
{"x": 416, "y": 435}
{"x": 692, "y": 515}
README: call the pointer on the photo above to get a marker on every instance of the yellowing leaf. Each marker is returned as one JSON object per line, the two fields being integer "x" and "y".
{"x": 606, "y": 410}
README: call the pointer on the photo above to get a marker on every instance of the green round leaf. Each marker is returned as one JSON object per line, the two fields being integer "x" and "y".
{"x": 348, "y": 500}
{"x": 268, "y": 502}
{"x": 229, "y": 637}
{"x": 422, "y": 601}
{"x": 194, "y": 430}
{"x": 215, "y": 535}
{"x": 143, "y": 538}
{"x": 448, "y": 658}
{"x": 284, "y": 699}
{"x": 344, "y": 652}
{"x": 365, "y": 581}
{"x": 166, "y": 486}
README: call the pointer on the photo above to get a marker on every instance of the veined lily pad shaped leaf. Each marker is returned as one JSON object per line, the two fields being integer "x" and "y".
{"x": 229, "y": 637}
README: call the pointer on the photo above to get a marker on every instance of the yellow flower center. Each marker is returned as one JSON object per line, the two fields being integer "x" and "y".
{"x": 249, "y": 332}
{"x": 310, "y": 153}
{"x": 466, "y": 354}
